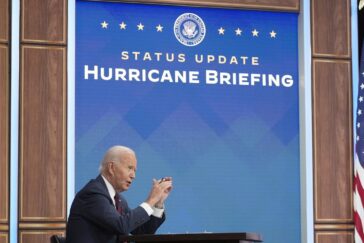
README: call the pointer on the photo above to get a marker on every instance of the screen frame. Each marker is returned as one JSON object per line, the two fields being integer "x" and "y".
{"x": 305, "y": 95}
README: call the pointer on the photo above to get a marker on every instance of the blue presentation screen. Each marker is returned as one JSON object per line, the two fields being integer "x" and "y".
{"x": 208, "y": 96}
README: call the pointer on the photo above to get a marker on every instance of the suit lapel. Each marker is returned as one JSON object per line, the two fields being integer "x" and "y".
{"x": 101, "y": 181}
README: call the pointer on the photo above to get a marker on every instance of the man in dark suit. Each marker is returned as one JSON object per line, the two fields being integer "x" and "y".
{"x": 99, "y": 213}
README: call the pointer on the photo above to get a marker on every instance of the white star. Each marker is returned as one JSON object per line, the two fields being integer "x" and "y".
{"x": 361, "y": 99}
{"x": 104, "y": 25}
{"x": 273, "y": 34}
{"x": 238, "y": 31}
{"x": 358, "y": 125}
{"x": 159, "y": 28}
{"x": 221, "y": 31}
{"x": 140, "y": 26}
{"x": 362, "y": 86}
{"x": 362, "y": 73}
{"x": 359, "y": 112}
{"x": 357, "y": 138}
{"x": 255, "y": 32}
{"x": 122, "y": 26}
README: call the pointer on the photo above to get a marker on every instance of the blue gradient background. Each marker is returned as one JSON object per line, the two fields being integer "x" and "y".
{"x": 233, "y": 151}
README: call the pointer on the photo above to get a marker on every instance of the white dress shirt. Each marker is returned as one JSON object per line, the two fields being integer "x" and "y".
{"x": 157, "y": 212}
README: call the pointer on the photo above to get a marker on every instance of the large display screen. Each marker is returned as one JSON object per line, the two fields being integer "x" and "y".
{"x": 208, "y": 96}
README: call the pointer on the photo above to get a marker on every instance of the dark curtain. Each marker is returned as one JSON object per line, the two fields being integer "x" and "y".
{"x": 361, "y": 29}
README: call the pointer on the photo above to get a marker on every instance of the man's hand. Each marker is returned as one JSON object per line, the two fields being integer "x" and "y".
{"x": 165, "y": 193}
{"x": 159, "y": 191}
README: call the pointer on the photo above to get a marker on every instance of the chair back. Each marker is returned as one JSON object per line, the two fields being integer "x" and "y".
{"x": 58, "y": 239}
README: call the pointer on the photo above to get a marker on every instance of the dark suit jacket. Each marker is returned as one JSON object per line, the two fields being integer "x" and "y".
{"x": 94, "y": 219}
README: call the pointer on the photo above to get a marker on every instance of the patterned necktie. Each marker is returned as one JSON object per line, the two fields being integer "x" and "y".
{"x": 118, "y": 206}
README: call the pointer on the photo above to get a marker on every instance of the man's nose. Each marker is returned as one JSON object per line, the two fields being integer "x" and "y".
{"x": 132, "y": 175}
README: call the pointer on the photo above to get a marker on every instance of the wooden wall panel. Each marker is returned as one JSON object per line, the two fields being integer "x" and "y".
{"x": 286, "y": 5}
{"x": 43, "y": 134}
{"x": 44, "y": 21}
{"x": 332, "y": 141}
{"x": 331, "y": 28}
{"x": 4, "y": 119}
{"x": 4, "y": 237}
{"x": 4, "y": 20}
{"x": 37, "y": 236}
{"x": 332, "y": 120}
{"x": 4, "y": 134}
{"x": 334, "y": 237}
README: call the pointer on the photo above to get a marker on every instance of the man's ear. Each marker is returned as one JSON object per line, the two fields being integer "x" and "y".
{"x": 110, "y": 168}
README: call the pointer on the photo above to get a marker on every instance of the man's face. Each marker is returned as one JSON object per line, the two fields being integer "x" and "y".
{"x": 124, "y": 172}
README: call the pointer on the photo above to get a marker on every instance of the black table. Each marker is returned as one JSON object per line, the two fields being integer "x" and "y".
{"x": 240, "y": 237}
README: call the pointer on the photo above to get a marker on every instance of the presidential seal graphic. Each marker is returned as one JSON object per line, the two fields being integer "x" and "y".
{"x": 189, "y": 29}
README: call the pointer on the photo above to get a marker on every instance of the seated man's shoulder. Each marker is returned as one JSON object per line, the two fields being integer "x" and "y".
{"x": 94, "y": 186}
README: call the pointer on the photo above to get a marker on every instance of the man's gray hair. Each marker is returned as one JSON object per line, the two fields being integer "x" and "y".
{"x": 114, "y": 154}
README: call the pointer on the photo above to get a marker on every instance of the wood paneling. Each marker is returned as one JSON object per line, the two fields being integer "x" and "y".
{"x": 4, "y": 134}
{"x": 334, "y": 237}
{"x": 287, "y": 5}
{"x": 42, "y": 226}
{"x": 4, "y": 20}
{"x": 38, "y": 236}
{"x": 332, "y": 141}
{"x": 44, "y": 21}
{"x": 334, "y": 226}
{"x": 332, "y": 121}
{"x": 42, "y": 193}
{"x": 4, "y": 237}
{"x": 4, "y": 120}
{"x": 331, "y": 28}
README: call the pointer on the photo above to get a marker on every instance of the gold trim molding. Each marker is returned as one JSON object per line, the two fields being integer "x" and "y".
{"x": 214, "y": 4}
{"x": 42, "y": 225}
{"x": 330, "y": 227}
{"x": 4, "y": 227}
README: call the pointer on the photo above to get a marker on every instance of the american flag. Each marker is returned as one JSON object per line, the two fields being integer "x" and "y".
{"x": 359, "y": 159}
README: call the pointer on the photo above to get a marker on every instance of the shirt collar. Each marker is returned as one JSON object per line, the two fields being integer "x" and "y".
{"x": 110, "y": 189}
